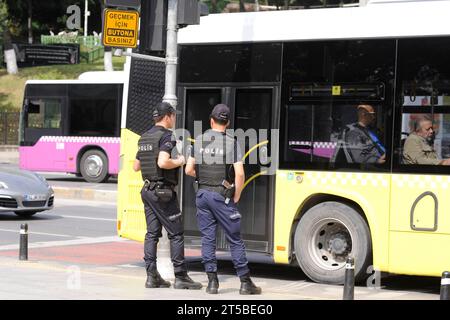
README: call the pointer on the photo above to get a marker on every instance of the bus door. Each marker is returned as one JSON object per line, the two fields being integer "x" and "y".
{"x": 42, "y": 115}
{"x": 252, "y": 111}
{"x": 198, "y": 104}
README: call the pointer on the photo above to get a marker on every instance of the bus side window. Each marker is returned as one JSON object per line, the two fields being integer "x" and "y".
{"x": 330, "y": 133}
{"x": 44, "y": 113}
{"x": 423, "y": 133}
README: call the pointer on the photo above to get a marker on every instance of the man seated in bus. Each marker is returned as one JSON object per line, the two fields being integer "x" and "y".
{"x": 359, "y": 143}
{"x": 418, "y": 147}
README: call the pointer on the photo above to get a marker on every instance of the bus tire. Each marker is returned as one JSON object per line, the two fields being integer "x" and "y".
{"x": 94, "y": 166}
{"x": 325, "y": 236}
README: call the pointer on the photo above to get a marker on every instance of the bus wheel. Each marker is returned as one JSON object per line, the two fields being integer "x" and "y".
{"x": 94, "y": 166}
{"x": 326, "y": 235}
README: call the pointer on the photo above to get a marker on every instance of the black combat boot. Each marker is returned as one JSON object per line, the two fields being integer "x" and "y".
{"x": 247, "y": 286}
{"x": 183, "y": 281}
{"x": 213, "y": 283}
{"x": 154, "y": 280}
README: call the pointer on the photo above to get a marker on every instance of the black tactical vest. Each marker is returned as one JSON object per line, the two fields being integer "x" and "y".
{"x": 211, "y": 161}
{"x": 148, "y": 153}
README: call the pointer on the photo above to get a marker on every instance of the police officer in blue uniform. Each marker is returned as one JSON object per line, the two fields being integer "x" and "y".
{"x": 215, "y": 156}
{"x": 159, "y": 163}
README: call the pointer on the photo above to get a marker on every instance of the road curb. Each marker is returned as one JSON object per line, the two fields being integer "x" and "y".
{"x": 85, "y": 194}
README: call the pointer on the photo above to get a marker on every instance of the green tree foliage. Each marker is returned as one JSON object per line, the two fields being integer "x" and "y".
{"x": 3, "y": 18}
{"x": 48, "y": 15}
{"x": 216, "y": 6}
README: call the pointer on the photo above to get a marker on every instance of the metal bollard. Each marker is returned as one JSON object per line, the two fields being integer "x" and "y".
{"x": 445, "y": 286}
{"x": 23, "y": 251}
{"x": 349, "y": 282}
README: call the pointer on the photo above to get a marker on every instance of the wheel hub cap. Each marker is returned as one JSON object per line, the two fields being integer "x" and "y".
{"x": 94, "y": 165}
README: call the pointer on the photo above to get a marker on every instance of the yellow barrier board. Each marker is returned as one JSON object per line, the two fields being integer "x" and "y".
{"x": 120, "y": 28}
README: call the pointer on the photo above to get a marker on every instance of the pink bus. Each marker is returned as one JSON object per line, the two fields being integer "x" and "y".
{"x": 73, "y": 126}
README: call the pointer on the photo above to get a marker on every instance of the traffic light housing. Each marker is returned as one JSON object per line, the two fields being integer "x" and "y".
{"x": 153, "y": 27}
{"x": 123, "y": 3}
{"x": 188, "y": 12}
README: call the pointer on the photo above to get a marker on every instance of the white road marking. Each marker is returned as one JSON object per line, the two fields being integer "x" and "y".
{"x": 86, "y": 218}
{"x": 79, "y": 241}
{"x": 41, "y": 233}
{"x": 62, "y": 202}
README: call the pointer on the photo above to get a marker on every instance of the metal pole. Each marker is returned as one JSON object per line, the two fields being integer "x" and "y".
{"x": 171, "y": 54}
{"x": 445, "y": 286}
{"x": 86, "y": 15}
{"x": 349, "y": 282}
{"x": 164, "y": 263}
{"x": 23, "y": 251}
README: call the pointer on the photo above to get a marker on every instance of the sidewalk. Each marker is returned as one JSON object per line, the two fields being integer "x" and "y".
{"x": 83, "y": 193}
{"x": 67, "y": 280}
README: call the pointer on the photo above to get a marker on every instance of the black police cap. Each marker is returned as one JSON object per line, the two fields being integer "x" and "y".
{"x": 163, "y": 108}
{"x": 221, "y": 112}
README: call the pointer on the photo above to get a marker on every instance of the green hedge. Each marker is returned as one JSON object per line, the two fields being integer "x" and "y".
{"x": 92, "y": 55}
{"x": 89, "y": 41}
{"x": 91, "y": 48}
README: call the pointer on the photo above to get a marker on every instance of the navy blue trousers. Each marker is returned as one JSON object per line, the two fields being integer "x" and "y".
{"x": 212, "y": 211}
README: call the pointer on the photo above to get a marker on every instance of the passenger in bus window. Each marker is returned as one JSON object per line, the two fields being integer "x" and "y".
{"x": 360, "y": 143}
{"x": 418, "y": 147}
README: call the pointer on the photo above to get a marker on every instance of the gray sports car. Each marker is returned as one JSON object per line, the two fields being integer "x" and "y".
{"x": 24, "y": 192}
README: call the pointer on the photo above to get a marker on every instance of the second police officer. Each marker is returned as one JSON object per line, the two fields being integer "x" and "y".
{"x": 216, "y": 155}
{"x": 159, "y": 164}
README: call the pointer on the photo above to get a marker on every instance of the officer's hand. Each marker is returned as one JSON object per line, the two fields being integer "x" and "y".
{"x": 382, "y": 159}
{"x": 181, "y": 160}
{"x": 236, "y": 199}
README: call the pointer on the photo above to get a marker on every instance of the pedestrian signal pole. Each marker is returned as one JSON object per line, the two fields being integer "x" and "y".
{"x": 171, "y": 54}
{"x": 165, "y": 265}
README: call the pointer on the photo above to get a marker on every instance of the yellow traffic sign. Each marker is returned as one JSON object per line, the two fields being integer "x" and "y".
{"x": 120, "y": 28}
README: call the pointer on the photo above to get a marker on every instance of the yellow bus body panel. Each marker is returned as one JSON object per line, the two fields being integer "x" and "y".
{"x": 371, "y": 191}
{"x": 130, "y": 209}
{"x": 419, "y": 246}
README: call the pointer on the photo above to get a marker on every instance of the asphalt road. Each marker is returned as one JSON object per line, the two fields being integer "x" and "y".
{"x": 69, "y": 220}
{"x": 82, "y": 234}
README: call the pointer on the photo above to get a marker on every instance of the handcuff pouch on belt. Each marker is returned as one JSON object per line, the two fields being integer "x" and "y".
{"x": 229, "y": 190}
{"x": 163, "y": 192}
{"x": 195, "y": 185}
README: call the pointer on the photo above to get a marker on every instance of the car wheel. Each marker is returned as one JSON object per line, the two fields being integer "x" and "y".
{"x": 326, "y": 236}
{"x": 94, "y": 166}
{"x": 25, "y": 213}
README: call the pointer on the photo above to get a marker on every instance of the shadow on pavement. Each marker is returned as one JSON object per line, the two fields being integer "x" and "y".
{"x": 77, "y": 179}
{"x": 273, "y": 271}
{"x": 429, "y": 285}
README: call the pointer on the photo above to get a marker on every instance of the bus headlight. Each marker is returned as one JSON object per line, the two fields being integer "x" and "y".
{"x": 3, "y": 185}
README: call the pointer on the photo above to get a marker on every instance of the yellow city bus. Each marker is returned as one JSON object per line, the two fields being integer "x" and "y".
{"x": 303, "y": 73}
